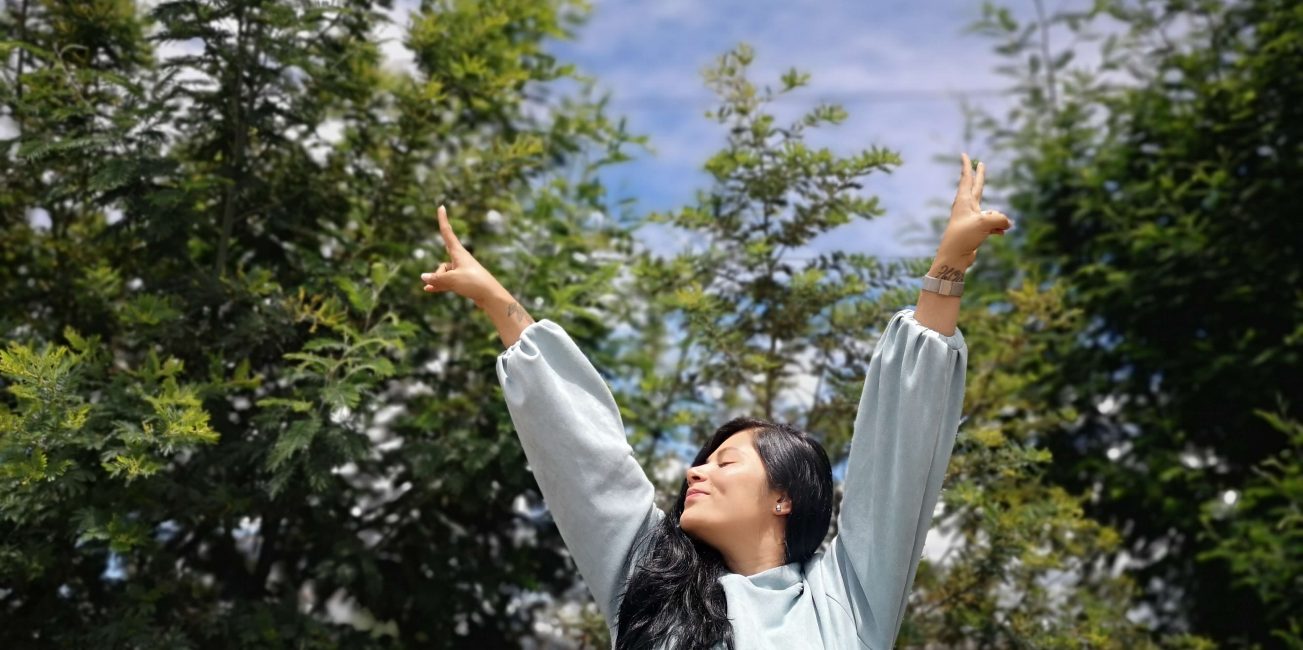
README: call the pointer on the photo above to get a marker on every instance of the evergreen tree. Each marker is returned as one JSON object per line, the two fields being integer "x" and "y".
{"x": 1160, "y": 188}
{"x": 231, "y": 413}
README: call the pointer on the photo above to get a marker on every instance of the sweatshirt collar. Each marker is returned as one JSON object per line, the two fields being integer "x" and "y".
{"x": 778, "y": 578}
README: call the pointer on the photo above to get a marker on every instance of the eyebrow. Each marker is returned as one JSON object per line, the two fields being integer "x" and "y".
{"x": 721, "y": 451}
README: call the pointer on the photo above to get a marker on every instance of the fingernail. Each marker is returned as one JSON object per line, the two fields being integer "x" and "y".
{"x": 426, "y": 276}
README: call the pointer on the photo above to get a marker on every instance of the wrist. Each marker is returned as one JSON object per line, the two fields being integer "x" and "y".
{"x": 948, "y": 269}
{"x": 497, "y": 295}
{"x": 507, "y": 315}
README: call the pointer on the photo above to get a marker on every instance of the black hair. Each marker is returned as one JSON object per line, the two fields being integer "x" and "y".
{"x": 674, "y": 593}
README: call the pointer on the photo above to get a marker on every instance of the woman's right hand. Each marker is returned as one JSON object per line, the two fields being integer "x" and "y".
{"x": 463, "y": 275}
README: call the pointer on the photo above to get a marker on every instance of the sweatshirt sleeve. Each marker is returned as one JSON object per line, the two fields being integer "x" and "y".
{"x": 905, "y": 429}
{"x": 573, "y": 437}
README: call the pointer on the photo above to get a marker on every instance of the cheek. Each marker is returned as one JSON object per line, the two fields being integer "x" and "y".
{"x": 746, "y": 486}
{"x": 739, "y": 493}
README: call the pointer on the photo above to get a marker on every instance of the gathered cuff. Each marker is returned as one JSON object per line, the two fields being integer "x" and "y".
{"x": 526, "y": 346}
{"x": 955, "y": 341}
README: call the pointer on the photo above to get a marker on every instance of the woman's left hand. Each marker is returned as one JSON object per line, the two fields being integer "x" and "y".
{"x": 969, "y": 224}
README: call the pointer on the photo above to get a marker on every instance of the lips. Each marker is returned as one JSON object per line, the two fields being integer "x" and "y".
{"x": 694, "y": 491}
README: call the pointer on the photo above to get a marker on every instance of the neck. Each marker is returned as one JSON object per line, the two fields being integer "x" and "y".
{"x": 754, "y": 558}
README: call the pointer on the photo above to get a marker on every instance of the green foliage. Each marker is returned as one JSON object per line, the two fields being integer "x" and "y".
{"x": 229, "y": 409}
{"x": 1260, "y": 535}
{"x": 1158, "y": 188}
{"x": 1021, "y": 569}
{"x": 44, "y": 423}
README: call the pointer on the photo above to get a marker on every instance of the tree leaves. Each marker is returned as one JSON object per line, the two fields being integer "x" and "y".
{"x": 1156, "y": 189}
{"x": 296, "y": 437}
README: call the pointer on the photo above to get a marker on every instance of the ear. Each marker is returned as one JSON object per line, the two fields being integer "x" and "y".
{"x": 783, "y": 506}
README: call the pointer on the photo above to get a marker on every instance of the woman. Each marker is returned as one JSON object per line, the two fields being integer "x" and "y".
{"x": 736, "y": 562}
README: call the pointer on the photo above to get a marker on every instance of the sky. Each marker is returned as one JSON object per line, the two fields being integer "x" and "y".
{"x": 900, "y": 69}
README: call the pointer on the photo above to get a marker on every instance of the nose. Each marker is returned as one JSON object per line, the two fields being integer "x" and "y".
{"x": 695, "y": 475}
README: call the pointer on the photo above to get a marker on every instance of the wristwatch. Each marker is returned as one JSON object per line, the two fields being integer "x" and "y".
{"x": 943, "y": 287}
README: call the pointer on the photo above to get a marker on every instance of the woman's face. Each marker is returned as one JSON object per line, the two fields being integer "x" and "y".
{"x": 736, "y": 505}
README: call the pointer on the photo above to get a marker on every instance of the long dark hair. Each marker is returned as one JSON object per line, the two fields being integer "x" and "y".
{"x": 674, "y": 593}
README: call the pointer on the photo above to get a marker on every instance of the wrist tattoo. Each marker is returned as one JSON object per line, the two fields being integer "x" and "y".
{"x": 514, "y": 310}
{"x": 951, "y": 273}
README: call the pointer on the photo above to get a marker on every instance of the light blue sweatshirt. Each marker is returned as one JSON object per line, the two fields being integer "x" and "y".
{"x": 853, "y": 592}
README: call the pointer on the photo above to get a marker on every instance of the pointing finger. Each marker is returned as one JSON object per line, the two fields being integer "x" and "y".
{"x": 450, "y": 240}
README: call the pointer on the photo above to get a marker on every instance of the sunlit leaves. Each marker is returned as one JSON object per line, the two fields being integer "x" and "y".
{"x": 1015, "y": 530}
{"x": 123, "y": 532}
{"x": 179, "y": 417}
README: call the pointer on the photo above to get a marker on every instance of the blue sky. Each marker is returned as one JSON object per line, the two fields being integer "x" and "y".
{"x": 899, "y": 68}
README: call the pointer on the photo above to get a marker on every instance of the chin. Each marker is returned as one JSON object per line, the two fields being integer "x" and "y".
{"x": 688, "y": 522}
{"x": 697, "y": 525}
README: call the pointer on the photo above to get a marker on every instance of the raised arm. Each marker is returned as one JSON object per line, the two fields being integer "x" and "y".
{"x": 569, "y": 427}
{"x": 905, "y": 429}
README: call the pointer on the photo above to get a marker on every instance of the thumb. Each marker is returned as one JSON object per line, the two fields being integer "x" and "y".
{"x": 438, "y": 280}
{"x": 996, "y": 220}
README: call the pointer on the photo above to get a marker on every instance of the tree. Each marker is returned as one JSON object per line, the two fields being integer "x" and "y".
{"x": 1022, "y": 567}
{"x": 228, "y": 416}
{"x": 752, "y": 319}
{"x": 1159, "y": 187}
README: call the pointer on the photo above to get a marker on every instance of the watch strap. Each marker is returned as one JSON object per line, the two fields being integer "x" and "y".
{"x": 943, "y": 287}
